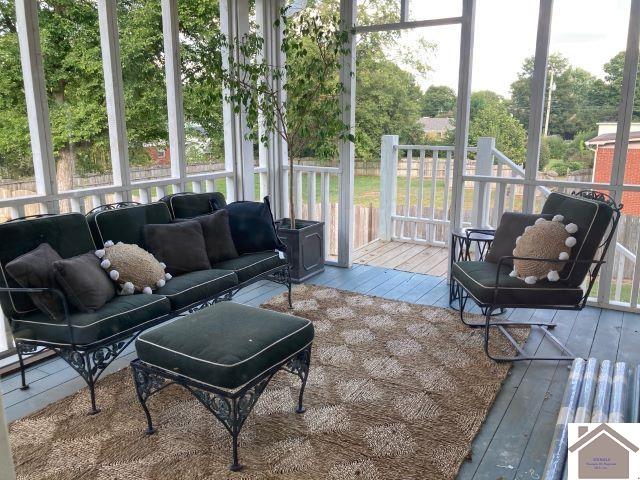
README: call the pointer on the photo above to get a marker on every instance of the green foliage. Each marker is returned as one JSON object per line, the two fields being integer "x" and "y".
{"x": 310, "y": 117}
{"x": 385, "y": 104}
{"x": 491, "y": 118}
{"x": 439, "y": 101}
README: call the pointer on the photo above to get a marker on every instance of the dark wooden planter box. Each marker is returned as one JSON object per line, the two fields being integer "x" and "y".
{"x": 305, "y": 247}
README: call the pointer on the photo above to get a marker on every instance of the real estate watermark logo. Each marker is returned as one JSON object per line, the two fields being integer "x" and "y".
{"x": 604, "y": 451}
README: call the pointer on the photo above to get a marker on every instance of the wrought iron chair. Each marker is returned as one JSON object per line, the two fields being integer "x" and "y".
{"x": 492, "y": 289}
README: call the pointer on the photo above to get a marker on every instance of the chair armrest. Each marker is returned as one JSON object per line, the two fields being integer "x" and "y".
{"x": 55, "y": 291}
{"x": 502, "y": 260}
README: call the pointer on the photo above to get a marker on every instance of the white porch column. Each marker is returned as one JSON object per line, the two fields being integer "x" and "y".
{"x": 348, "y": 14}
{"x": 274, "y": 156}
{"x": 618, "y": 167}
{"x": 175, "y": 109}
{"x": 388, "y": 185}
{"x": 462, "y": 110}
{"x": 238, "y": 151}
{"x": 44, "y": 164}
{"x": 536, "y": 114}
{"x": 6, "y": 462}
{"x": 484, "y": 166}
{"x": 112, "y": 67}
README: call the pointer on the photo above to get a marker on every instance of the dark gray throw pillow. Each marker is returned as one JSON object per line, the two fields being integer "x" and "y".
{"x": 86, "y": 285}
{"x": 34, "y": 269}
{"x": 217, "y": 236}
{"x": 512, "y": 225}
{"x": 180, "y": 246}
{"x": 252, "y": 226}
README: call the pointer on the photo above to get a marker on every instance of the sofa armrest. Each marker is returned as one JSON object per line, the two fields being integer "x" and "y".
{"x": 55, "y": 291}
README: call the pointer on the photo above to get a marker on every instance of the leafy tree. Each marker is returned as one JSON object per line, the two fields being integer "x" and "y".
{"x": 439, "y": 101}
{"x": 310, "y": 116}
{"x": 390, "y": 106}
{"x": 570, "y": 112}
{"x": 494, "y": 120}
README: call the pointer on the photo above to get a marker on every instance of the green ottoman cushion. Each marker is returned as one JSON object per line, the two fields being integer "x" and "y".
{"x": 226, "y": 345}
{"x": 118, "y": 315}
{"x": 479, "y": 279}
{"x": 251, "y": 265}
{"x": 194, "y": 287}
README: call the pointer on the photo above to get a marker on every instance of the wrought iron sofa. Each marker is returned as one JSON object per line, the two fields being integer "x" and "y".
{"x": 89, "y": 342}
{"x": 493, "y": 290}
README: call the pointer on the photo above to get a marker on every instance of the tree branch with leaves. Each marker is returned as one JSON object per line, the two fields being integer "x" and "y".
{"x": 310, "y": 115}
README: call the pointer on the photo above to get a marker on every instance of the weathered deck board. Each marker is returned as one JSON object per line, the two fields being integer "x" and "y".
{"x": 405, "y": 256}
{"x": 514, "y": 439}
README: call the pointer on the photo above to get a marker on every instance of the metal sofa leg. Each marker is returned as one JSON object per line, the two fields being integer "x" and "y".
{"x": 288, "y": 279}
{"x": 22, "y": 349}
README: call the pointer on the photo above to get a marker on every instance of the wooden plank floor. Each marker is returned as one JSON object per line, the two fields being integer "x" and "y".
{"x": 514, "y": 439}
{"x": 404, "y": 256}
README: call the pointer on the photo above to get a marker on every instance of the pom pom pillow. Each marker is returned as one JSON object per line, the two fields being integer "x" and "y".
{"x": 135, "y": 269}
{"x": 548, "y": 239}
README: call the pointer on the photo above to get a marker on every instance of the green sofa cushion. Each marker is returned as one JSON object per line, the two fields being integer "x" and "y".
{"x": 250, "y": 265}
{"x": 189, "y": 205}
{"x": 479, "y": 278}
{"x": 232, "y": 345}
{"x": 195, "y": 287}
{"x": 119, "y": 315}
{"x": 125, "y": 224}
{"x": 68, "y": 234}
{"x": 593, "y": 218}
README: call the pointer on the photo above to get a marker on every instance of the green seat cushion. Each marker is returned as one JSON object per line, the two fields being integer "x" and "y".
{"x": 68, "y": 234}
{"x": 119, "y": 315}
{"x": 251, "y": 265}
{"x": 189, "y": 205}
{"x": 226, "y": 345}
{"x": 126, "y": 224}
{"x": 195, "y": 287}
{"x": 479, "y": 279}
{"x": 593, "y": 218}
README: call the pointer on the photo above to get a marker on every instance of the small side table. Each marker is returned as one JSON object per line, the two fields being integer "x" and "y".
{"x": 462, "y": 241}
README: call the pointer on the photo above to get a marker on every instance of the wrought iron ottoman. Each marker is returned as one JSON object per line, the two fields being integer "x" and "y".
{"x": 225, "y": 355}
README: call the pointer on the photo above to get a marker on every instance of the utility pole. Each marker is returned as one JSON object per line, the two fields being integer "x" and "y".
{"x": 549, "y": 92}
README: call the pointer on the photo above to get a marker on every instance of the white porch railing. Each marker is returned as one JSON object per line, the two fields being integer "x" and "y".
{"x": 307, "y": 204}
{"x": 415, "y": 198}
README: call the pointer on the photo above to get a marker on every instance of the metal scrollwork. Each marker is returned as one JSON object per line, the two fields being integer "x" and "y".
{"x": 299, "y": 365}
{"x": 103, "y": 356}
{"x": 77, "y": 361}
{"x": 221, "y": 407}
{"x": 598, "y": 196}
{"x": 147, "y": 383}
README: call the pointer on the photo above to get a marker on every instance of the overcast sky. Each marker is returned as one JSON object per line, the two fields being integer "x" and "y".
{"x": 587, "y": 32}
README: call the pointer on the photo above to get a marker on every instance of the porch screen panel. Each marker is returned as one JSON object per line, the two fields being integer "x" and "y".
{"x": 16, "y": 162}
{"x": 70, "y": 43}
{"x": 202, "y": 86}
{"x": 500, "y": 109}
{"x": 145, "y": 93}
{"x": 584, "y": 80}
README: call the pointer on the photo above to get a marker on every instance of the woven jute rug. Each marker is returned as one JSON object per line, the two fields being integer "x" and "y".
{"x": 396, "y": 391}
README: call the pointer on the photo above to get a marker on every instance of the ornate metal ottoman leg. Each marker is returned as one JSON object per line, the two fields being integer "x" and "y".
{"x": 299, "y": 365}
{"x": 147, "y": 383}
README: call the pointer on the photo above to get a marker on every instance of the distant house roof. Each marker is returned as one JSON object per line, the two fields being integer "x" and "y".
{"x": 607, "y": 138}
{"x": 437, "y": 125}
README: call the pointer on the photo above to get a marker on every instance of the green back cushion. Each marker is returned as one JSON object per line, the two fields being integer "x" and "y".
{"x": 125, "y": 224}
{"x": 189, "y": 205}
{"x": 512, "y": 225}
{"x": 68, "y": 234}
{"x": 593, "y": 218}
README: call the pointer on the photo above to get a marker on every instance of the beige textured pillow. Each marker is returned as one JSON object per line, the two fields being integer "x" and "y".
{"x": 135, "y": 269}
{"x": 544, "y": 239}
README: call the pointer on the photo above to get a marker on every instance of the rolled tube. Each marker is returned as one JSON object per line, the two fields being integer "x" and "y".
{"x": 635, "y": 398}
{"x": 619, "y": 394}
{"x": 600, "y": 413}
{"x": 558, "y": 450}
{"x": 587, "y": 392}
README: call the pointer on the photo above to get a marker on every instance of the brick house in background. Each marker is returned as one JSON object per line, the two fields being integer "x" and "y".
{"x": 159, "y": 154}
{"x": 603, "y": 146}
